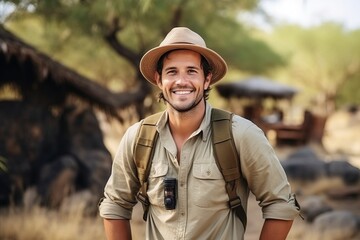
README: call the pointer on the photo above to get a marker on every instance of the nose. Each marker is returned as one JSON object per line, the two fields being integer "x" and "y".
{"x": 182, "y": 79}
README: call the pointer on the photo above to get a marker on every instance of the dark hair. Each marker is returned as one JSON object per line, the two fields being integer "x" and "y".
{"x": 203, "y": 63}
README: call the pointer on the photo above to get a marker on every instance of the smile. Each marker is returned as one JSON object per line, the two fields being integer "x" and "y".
{"x": 182, "y": 92}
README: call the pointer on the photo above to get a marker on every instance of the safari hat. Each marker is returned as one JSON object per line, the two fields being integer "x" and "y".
{"x": 182, "y": 38}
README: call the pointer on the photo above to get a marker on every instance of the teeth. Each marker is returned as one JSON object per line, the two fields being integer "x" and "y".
{"x": 182, "y": 92}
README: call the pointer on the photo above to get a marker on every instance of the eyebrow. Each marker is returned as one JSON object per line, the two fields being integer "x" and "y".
{"x": 170, "y": 68}
{"x": 195, "y": 67}
{"x": 189, "y": 67}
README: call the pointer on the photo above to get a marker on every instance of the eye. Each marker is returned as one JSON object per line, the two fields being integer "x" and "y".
{"x": 192, "y": 71}
{"x": 171, "y": 72}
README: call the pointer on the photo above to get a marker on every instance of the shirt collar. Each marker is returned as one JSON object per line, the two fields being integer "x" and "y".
{"x": 206, "y": 122}
{"x": 204, "y": 126}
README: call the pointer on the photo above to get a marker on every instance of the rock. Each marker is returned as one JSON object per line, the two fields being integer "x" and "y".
{"x": 304, "y": 165}
{"x": 335, "y": 225}
{"x": 58, "y": 154}
{"x": 310, "y": 175}
{"x": 58, "y": 180}
{"x": 343, "y": 169}
{"x": 313, "y": 206}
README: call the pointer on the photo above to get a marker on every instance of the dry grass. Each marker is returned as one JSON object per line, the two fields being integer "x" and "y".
{"x": 37, "y": 223}
{"x": 43, "y": 224}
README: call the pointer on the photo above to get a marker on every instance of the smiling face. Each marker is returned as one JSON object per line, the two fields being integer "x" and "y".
{"x": 182, "y": 80}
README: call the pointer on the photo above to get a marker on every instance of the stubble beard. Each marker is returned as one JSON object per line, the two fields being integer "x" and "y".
{"x": 186, "y": 108}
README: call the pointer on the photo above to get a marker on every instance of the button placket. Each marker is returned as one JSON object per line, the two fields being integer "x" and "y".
{"x": 182, "y": 193}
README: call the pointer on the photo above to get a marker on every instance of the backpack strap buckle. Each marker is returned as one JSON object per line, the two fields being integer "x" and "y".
{"x": 143, "y": 199}
{"x": 234, "y": 203}
{"x": 145, "y": 203}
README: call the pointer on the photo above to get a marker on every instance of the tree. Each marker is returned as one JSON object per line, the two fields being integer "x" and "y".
{"x": 131, "y": 27}
{"x": 324, "y": 61}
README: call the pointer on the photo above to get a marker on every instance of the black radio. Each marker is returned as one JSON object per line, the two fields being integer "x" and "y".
{"x": 170, "y": 193}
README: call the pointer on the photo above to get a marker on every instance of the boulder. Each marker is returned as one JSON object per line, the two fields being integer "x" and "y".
{"x": 335, "y": 225}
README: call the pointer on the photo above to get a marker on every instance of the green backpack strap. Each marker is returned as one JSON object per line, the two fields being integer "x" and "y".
{"x": 144, "y": 150}
{"x": 227, "y": 158}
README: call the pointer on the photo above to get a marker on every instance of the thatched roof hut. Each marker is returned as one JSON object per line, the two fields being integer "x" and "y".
{"x": 38, "y": 146}
{"x": 256, "y": 87}
{"x": 39, "y": 78}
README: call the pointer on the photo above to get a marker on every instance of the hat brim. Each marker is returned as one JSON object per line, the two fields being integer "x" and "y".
{"x": 148, "y": 63}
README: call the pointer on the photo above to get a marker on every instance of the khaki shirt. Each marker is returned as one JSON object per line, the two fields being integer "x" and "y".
{"x": 202, "y": 210}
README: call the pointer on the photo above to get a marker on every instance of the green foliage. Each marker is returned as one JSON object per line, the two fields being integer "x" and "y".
{"x": 89, "y": 56}
{"x": 324, "y": 61}
{"x": 143, "y": 24}
{"x": 350, "y": 92}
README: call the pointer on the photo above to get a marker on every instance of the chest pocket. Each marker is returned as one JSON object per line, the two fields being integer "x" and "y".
{"x": 209, "y": 186}
{"x": 156, "y": 188}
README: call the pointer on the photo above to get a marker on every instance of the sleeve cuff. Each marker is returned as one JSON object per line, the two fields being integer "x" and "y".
{"x": 110, "y": 210}
{"x": 283, "y": 210}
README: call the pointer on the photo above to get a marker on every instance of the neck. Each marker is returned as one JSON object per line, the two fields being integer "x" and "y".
{"x": 183, "y": 124}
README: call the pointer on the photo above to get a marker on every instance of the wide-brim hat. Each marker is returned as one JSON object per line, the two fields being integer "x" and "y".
{"x": 182, "y": 38}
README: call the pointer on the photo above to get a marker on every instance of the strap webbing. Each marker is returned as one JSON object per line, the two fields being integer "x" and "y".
{"x": 227, "y": 158}
{"x": 143, "y": 152}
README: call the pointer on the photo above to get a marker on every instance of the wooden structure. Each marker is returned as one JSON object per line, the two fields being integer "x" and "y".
{"x": 259, "y": 89}
{"x": 296, "y": 134}
{"x": 256, "y": 87}
{"x": 48, "y": 140}
{"x": 42, "y": 80}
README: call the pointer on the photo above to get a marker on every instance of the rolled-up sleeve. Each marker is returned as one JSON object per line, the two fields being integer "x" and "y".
{"x": 282, "y": 210}
{"x": 264, "y": 174}
{"x": 122, "y": 186}
{"x": 111, "y": 210}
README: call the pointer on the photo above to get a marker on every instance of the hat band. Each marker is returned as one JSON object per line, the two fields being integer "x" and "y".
{"x": 181, "y": 43}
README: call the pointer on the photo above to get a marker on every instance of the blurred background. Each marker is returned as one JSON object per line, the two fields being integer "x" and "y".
{"x": 70, "y": 86}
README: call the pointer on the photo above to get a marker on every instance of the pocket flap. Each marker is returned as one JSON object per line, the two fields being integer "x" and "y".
{"x": 206, "y": 171}
{"x": 158, "y": 169}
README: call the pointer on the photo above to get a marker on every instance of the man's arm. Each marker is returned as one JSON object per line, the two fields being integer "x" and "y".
{"x": 275, "y": 229}
{"x": 116, "y": 229}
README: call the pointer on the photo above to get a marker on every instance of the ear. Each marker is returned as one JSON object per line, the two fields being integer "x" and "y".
{"x": 207, "y": 81}
{"x": 158, "y": 79}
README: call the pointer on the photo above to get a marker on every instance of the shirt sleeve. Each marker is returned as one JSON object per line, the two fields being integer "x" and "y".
{"x": 123, "y": 184}
{"x": 264, "y": 174}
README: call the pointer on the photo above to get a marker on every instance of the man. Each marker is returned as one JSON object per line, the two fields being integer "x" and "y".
{"x": 184, "y": 69}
